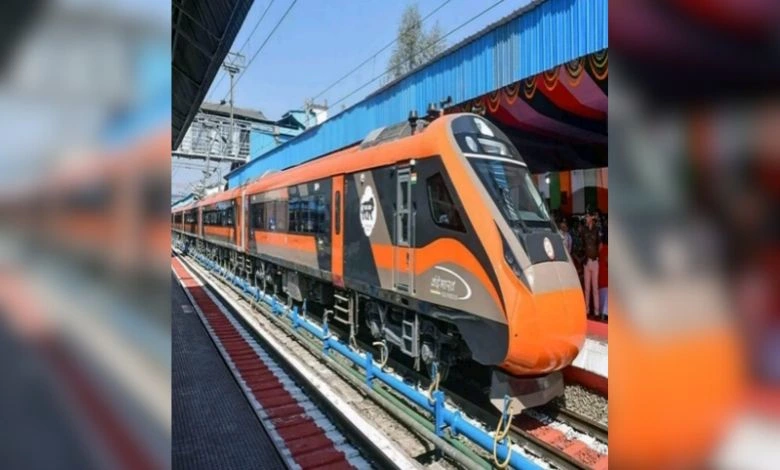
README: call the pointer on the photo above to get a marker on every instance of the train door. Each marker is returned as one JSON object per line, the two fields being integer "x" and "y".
{"x": 337, "y": 227}
{"x": 403, "y": 255}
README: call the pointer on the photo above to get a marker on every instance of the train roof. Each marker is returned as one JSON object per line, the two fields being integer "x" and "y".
{"x": 219, "y": 197}
{"x": 376, "y": 150}
{"x": 358, "y": 157}
{"x": 186, "y": 207}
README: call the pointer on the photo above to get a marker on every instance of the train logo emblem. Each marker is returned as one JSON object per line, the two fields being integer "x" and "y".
{"x": 451, "y": 285}
{"x": 548, "y": 248}
{"x": 368, "y": 211}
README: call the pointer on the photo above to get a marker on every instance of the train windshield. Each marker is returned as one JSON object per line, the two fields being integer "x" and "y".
{"x": 512, "y": 188}
{"x": 503, "y": 173}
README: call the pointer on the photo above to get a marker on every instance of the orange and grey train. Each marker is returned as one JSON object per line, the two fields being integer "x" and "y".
{"x": 430, "y": 236}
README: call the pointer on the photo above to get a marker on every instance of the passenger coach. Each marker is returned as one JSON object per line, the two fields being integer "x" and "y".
{"x": 428, "y": 236}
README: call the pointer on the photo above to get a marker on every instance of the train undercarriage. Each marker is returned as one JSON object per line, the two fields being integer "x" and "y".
{"x": 434, "y": 349}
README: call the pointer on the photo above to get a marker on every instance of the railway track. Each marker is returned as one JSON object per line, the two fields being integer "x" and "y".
{"x": 581, "y": 423}
{"x": 559, "y": 436}
{"x": 551, "y": 443}
{"x": 543, "y": 431}
{"x": 540, "y": 436}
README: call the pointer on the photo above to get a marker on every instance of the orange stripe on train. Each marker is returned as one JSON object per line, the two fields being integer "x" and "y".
{"x": 442, "y": 250}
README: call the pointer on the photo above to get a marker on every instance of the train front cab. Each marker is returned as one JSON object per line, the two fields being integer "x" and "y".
{"x": 540, "y": 292}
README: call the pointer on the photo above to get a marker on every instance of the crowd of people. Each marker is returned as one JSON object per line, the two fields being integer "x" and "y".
{"x": 585, "y": 237}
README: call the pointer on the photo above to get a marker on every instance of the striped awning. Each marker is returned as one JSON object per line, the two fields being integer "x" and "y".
{"x": 558, "y": 118}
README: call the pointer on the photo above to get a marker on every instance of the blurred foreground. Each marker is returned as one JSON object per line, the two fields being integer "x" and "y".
{"x": 84, "y": 238}
{"x": 695, "y": 171}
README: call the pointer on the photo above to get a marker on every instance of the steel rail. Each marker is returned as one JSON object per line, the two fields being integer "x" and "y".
{"x": 582, "y": 423}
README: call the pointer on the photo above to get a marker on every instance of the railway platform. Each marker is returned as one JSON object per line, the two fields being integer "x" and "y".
{"x": 591, "y": 367}
{"x": 291, "y": 429}
{"x": 214, "y": 425}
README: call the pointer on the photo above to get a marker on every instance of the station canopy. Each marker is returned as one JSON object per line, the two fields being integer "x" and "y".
{"x": 558, "y": 118}
{"x": 202, "y": 33}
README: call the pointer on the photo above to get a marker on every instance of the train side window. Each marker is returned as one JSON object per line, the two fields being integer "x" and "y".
{"x": 305, "y": 215}
{"x": 266, "y": 214}
{"x": 271, "y": 211}
{"x": 280, "y": 211}
{"x": 257, "y": 216}
{"x": 338, "y": 212}
{"x": 294, "y": 215}
{"x": 298, "y": 214}
{"x": 322, "y": 222}
{"x": 443, "y": 210}
{"x": 312, "y": 215}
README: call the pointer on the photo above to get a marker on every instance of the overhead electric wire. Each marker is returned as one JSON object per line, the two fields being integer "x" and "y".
{"x": 384, "y": 48}
{"x": 257, "y": 24}
{"x": 259, "y": 49}
{"x": 421, "y": 51}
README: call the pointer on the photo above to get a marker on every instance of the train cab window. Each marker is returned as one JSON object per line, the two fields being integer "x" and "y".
{"x": 338, "y": 212}
{"x": 404, "y": 234}
{"x": 443, "y": 210}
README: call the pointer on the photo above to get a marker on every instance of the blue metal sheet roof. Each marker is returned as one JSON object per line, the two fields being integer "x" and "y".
{"x": 183, "y": 201}
{"x": 532, "y": 40}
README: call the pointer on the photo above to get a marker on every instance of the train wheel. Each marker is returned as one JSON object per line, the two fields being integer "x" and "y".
{"x": 258, "y": 281}
{"x": 431, "y": 357}
{"x": 263, "y": 279}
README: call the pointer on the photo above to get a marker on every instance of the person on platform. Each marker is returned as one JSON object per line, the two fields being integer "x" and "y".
{"x": 577, "y": 250}
{"x": 567, "y": 240}
{"x": 603, "y": 273}
{"x": 591, "y": 239}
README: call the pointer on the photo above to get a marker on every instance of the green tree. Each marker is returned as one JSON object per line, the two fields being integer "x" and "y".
{"x": 415, "y": 46}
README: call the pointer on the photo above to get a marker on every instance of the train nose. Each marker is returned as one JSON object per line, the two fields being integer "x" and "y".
{"x": 546, "y": 332}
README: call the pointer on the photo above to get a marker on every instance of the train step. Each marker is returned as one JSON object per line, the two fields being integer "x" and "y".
{"x": 409, "y": 334}
{"x": 343, "y": 308}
